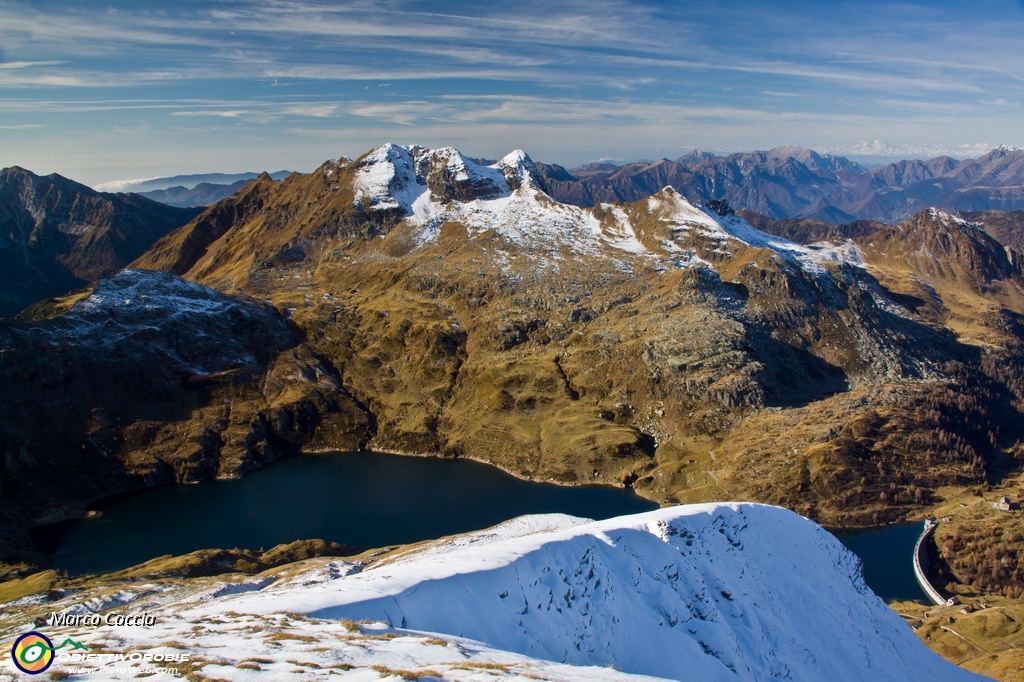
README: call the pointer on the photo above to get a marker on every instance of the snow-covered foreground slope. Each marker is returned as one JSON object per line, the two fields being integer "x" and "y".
{"x": 702, "y": 592}
{"x": 708, "y": 591}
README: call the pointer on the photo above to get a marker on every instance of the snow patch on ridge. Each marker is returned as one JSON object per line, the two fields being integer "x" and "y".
{"x": 148, "y": 290}
{"x": 386, "y": 178}
{"x": 166, "y": 319}
{"x": 714, "y": 591}
{"x": 464, "y": 170}
{"x": 950, "y": 221}
{"x": 507, "y": 198}
{"x": 684, "y": 217}
{"x": 619, "y": 233}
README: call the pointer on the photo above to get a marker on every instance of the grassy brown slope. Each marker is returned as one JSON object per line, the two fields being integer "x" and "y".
{"x": 981, "y": 547}
{"x": 180, "y": 249}
{"x": 988, "y": 638}
{"x": 954, "y": 275}
{"x": 577, "y": 371}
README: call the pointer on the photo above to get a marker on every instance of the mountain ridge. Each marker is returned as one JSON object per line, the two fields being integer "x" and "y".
{"x": 57, "y": 234}
{"x": 437, "y": 305}
{"x": 791, "y": 182}
{"x": 786, "y": 182}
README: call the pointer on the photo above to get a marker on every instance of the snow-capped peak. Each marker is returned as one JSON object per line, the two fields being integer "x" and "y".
{"x": 386, "y": 178}
{"x": 520, "y": 170}
{"x": 516, "y": 158}
{"x": 394, "y": 177}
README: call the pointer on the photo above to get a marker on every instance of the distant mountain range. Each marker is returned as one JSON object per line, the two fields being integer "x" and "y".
{"x": 790, "y": 182}
{"x": 781, "y": 184}
{"x": 205, "y": 193}
{"x": 183, "y": 181}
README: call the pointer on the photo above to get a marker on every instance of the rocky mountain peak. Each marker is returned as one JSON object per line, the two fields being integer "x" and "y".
{"x": 35, "y": 189}
{"x": 942, "y": 246}
{"x": 396, "y": 177}
{"x": 932, "y": 223}
{"x": 694, "y": 156}
{"x": 814, "y": 160}
{"x": 788, "y": 151}
{"x": 1002, "y": 167}
{"x": 520, "y": 169}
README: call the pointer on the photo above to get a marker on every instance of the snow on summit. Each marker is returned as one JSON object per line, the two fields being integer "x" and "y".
{"x": 701, "y": 592}
{"x": 428, "y": 187}
{"x": 433, "y": 186}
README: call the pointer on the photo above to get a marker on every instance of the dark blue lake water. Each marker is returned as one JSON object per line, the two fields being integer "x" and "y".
{"x": 888, "y": 556}
{"x": 362, "y": 499}
{"x": 371, "y": 500}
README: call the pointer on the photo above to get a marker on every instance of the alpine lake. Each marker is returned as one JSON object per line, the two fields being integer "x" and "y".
{"x": 368, "y": 500}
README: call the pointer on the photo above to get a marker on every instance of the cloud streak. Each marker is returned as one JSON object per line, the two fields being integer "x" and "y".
{"x": 713, "y": 75}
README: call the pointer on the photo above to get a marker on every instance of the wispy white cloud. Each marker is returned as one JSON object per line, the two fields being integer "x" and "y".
{"x": 229, "y": 113}
{"x": 47, "y": 80}
{"x": 354, "y": 72}
{"x": 569, "y": 75}
{"x": 90, "y": 33}
{"x": 71, "y": 106}
{"x": 525, "y": 23}
{"x": 121, "y": 185}
{"x": 27, "y": 65}
{"x": 311, "y": 110}
{"x": 929, "y": 106}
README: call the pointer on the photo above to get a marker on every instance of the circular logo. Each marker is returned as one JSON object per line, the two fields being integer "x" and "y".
{"x": 32, "y": 653}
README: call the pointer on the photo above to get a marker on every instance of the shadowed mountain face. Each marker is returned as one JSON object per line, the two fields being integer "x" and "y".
{"x": 788, "y": 182}
{"x": 1006, "y": 226}
{"x": 437, "y": 305}
{"x": 56, "y": 235}
{"x": 144, "y": 379}
{"x": 808, "y": 230}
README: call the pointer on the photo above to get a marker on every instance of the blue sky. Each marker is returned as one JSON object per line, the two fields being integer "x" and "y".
{"x": 102, "y": 92}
